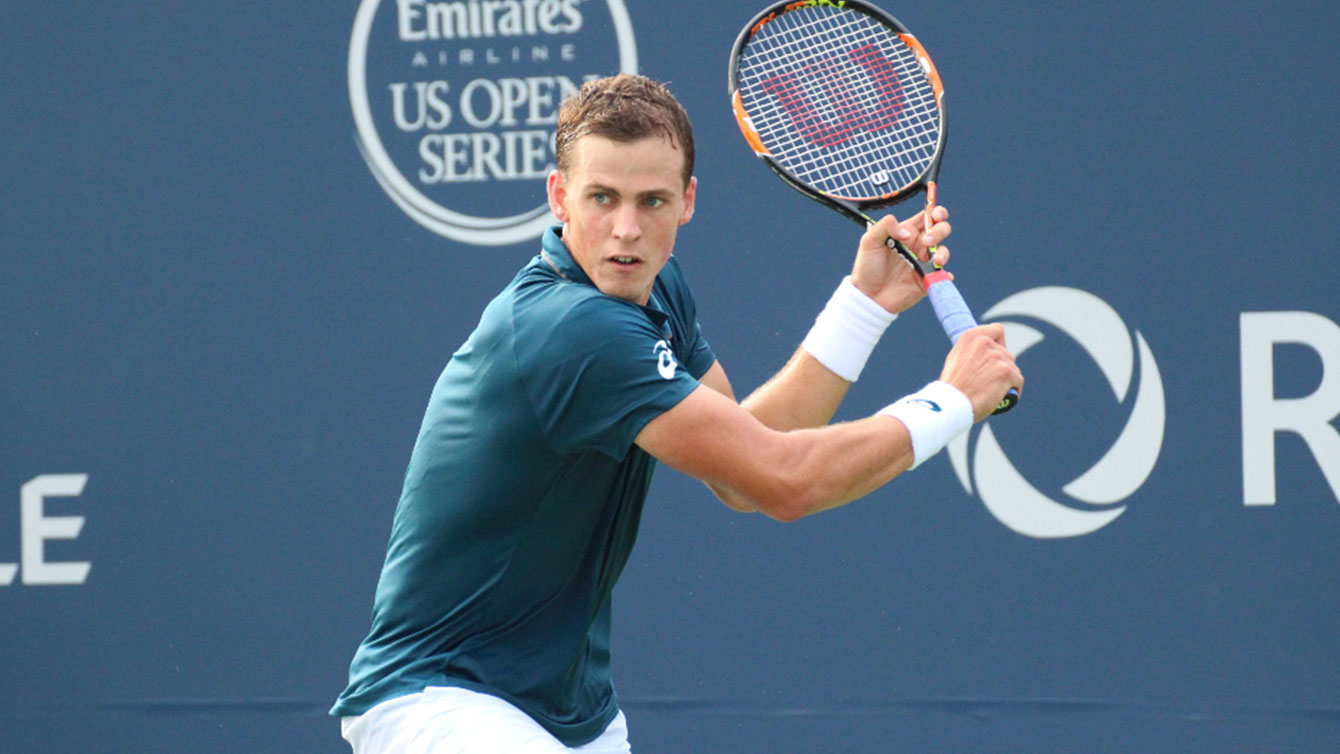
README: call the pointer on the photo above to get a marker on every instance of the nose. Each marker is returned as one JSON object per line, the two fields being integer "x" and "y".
{"x": 626, "y": 225}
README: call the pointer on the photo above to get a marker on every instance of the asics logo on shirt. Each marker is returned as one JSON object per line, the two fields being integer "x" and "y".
{"x": 665, "y": 363}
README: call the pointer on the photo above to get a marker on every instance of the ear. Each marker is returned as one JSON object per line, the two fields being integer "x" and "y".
{"x": 689, "y": 194}
{"x": 557, "y": 190}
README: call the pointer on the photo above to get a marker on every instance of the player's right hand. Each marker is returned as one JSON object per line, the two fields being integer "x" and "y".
{"x": 982, "y": 368}
{"x": 882, "y": 274}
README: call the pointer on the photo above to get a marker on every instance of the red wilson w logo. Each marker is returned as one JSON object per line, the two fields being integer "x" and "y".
{"x": 845, "y": 113}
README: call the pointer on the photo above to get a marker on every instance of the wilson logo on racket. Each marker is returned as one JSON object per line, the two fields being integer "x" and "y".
{"x": 839, "y": 97}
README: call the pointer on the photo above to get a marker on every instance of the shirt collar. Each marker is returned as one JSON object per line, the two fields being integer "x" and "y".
{"x": 557, "y": 257}
{"x": 554, "y": 254}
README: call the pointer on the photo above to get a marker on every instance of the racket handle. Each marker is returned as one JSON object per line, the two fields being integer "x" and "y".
{"x": 956, "y": 319}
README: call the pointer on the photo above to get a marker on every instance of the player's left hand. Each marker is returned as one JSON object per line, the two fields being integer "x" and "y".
{"x": 882, "y": 274}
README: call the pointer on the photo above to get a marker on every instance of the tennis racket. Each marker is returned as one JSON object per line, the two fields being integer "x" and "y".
{"x": 844, "y": 104}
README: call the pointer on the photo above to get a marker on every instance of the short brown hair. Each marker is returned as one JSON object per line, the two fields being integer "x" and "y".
{"x": 623, "y": 108}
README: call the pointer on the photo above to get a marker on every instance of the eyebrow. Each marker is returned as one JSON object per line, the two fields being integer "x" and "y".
{"x": 600, "y": 188}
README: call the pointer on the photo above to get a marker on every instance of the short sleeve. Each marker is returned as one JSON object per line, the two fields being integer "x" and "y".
{"x": 693, "y": 348}
{"x": 598, "y": 374}
{"x": 700, "y": 357}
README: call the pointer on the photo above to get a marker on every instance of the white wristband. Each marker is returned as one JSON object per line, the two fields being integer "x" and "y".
{"x": 933, "y": 416}
{"x": 846, "y": 331}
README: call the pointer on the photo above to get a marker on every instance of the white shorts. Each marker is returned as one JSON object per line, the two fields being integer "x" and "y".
{"x": 448, "y": 720}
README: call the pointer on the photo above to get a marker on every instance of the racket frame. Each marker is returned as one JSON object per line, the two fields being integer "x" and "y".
{"x": 853, "y": 208}
{"x": 953, "y": 313}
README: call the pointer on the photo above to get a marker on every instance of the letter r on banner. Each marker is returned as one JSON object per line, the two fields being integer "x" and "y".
{"x": 1263, "y": 414}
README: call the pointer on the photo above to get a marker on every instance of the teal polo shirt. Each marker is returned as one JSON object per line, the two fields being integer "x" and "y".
{"x": 523, "y": 494}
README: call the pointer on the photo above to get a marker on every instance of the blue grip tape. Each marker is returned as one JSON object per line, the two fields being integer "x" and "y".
{"x": 951, "y": 309}
{"x": 956, "y": 319}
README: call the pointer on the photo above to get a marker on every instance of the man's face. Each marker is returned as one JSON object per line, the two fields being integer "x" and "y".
{"x": 621, "y": 205}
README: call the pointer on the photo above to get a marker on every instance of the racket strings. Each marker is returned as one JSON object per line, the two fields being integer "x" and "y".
{"x": 839, "y": 118}
{"x": 840, "y": 102}
{"x": 801, "y": 51}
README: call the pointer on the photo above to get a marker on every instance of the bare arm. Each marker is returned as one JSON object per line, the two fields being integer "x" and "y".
{"x": 783, "y": 474}
{"x": 770, "y": 405}
{"x": 772, "y": 453}
{"x": 789, "y": 474}
{"x": 805, "y": 393}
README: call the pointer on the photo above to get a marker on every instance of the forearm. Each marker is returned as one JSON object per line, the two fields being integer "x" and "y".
{"x": 837, "y": 464}
{"x": 844, "y": 462}
{"x": 808, "y": 390}
{"x": 796, "y": 473}
{"x": 803, "y": 394}
{"x": 825, "y": 468}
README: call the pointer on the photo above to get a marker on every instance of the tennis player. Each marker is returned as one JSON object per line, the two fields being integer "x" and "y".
{"x": 491, "y": 621}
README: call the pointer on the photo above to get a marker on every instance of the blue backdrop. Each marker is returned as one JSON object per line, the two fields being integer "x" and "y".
{"x": 224, "y": 299}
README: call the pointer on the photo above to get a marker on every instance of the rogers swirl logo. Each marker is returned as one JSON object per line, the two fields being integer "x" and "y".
{"x": 1095, "y": 494}
{"x": 455, "y": 103}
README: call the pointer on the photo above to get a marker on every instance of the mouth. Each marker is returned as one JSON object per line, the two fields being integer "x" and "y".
{"x": 625, "y": 261}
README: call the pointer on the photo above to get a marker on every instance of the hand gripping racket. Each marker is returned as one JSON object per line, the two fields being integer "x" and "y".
{"x": 842, "y": 103}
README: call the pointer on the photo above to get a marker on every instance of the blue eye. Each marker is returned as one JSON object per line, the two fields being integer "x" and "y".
{"x": 600, "y": 198}
{"x": 655, "y": 201}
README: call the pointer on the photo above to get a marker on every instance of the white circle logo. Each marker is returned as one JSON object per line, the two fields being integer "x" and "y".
{"x": 665, "y": 359}
{"x": 455, "y": 103}
{"x": 1099, "y": 330}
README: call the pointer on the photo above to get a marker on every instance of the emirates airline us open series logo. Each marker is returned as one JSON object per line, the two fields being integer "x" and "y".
{"x": 1095, "y": 494}
{"x": 455, "y": 102}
